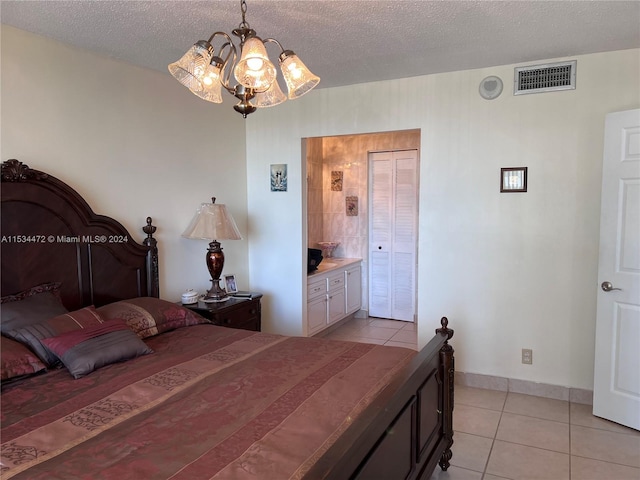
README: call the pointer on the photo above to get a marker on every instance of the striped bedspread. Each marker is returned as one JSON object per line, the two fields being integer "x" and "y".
{"x": 209, "y": 403}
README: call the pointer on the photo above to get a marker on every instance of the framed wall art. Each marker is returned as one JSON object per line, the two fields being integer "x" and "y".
{"x": 336, "y": 181}
{"x": 513, "y": 179}
{"x": 278, "y": 177}
{"x": 351, "y": 206}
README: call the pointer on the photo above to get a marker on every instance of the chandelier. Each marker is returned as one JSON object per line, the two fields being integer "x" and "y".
{"x": 208, "y": 65}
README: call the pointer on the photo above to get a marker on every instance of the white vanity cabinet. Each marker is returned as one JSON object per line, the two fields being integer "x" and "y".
{"x": 336, "y": 297}
{"x": 333, "y": 292}
{"x": 353, "y": 288}
{"x": 316, "y": 306}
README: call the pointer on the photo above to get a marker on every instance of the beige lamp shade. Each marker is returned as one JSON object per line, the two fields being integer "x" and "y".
{"x": 212, "y": 221}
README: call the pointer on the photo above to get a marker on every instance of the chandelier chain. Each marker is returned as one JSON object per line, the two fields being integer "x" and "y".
{"x": 243, "y": 9}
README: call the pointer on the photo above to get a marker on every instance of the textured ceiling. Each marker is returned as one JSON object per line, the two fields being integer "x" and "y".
{"x": 344, "y": 42}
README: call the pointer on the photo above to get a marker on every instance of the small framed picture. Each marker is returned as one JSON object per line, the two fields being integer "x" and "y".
{"x": 513, "y": 179}
{"x": 278, "y": 177}
{"x": 230, "y": 283}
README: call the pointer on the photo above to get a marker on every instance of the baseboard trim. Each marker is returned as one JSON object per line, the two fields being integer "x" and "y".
{"x": 527, "y": 387}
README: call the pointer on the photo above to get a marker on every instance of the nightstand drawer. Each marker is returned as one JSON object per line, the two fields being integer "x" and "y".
{"x": 246, "y": 315}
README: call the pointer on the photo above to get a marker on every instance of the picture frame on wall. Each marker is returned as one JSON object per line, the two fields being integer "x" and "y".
{"x": 513, "y": 179}
{"x": 278, "y": 177}
{"x": 230, "y": 284}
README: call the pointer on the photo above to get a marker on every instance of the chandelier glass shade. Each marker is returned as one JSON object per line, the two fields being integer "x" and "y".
{"x": 209, "y": 66}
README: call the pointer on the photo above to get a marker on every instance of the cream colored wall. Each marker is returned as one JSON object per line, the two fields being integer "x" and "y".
{"x": 132, "y": 141}
{"x": 511, "y": 271}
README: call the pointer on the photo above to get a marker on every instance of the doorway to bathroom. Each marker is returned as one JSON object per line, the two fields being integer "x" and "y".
{"x": 338, "y": 203}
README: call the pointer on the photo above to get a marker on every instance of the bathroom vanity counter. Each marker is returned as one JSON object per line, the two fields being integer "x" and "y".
{"x": 332, "y": 263}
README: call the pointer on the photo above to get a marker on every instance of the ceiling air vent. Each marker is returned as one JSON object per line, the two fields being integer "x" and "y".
{"x": 549, "y": 77}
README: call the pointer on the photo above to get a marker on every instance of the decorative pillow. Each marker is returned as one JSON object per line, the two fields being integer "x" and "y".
{"x": 32, "y": 334}
{"x": 31, "y": 309}
{"x": 17, "y": 360}
{"x": 148, "y": 316}
{"x": 83, "y": 351}
{"x": 53, "y": 287}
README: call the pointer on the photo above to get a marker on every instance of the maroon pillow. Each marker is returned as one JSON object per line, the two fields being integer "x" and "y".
{"x": 31, "y": 309}
{"x": 33, "y": 333}
{"x": 148, "y": 316}
{"x": 83, "y": 351}
{"x": 17, "y": 360}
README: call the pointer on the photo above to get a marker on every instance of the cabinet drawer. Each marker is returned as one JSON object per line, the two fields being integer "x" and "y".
{"x": 317, "y": 288}
{"x": 335, "y": 282}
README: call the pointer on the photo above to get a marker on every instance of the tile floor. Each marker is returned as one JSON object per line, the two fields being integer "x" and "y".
{"x": 500, "y": 435}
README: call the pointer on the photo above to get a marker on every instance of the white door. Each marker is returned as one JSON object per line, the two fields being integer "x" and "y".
{"x": 393, "y": 222}
{"x": 616, "y": 389}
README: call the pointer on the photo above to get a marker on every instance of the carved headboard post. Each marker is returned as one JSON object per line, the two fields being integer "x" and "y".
{"x": 153, "y": 279}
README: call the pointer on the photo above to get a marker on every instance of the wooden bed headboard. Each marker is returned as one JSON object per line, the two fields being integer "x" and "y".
{"x": 50, "y": 234}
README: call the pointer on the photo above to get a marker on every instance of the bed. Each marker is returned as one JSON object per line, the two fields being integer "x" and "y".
{"x": 114, "y": 382}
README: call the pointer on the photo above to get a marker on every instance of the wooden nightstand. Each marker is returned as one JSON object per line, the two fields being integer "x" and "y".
{"x": 237, "y": 312}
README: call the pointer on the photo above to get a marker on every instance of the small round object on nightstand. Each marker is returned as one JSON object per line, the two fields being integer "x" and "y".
{"x": 189, "y": 297}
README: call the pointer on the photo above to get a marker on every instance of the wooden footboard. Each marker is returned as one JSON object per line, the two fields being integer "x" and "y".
{"x": 408, "y": 430}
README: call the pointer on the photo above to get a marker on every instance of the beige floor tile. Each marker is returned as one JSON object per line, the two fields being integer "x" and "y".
{"x": 475, "y": 421}
{"x": 391, "y": 343}
{"x": 520, "y": 462}
{"x": 410, "y": 326}
{"x": 588, "y": 469}
{"x": 360, "y": 322}
{"x": 581, "y": 415}
{"x": 471, "y": 451}
{"x": 455, "y": 473}
{"x": 395, "y": 324}
{"x": 376, "y": 332}
{"x": 539, "y": 407}
{"x": 348, "y": 328}
{"x": 405, "y": 336}
{"x": 494, "y": 477}
{"x": 534, "y": 432}
{"x": 479, "y": 397}
{"x": 606, "y": 446}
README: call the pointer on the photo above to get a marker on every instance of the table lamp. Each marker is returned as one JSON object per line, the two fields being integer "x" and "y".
{"x": 213, "y": 222}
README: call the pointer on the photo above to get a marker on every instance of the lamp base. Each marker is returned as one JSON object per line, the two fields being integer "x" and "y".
{"x": 215, "y": 293}
{"x": 204, "y": 299}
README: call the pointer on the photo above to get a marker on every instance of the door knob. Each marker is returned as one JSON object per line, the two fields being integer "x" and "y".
{"x": 607, "y": 287}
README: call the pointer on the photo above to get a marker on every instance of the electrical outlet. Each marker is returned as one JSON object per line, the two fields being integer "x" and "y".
{"x": 527, "y": 356}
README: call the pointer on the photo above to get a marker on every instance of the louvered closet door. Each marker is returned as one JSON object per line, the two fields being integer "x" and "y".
{"x": 393, "y": 180}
